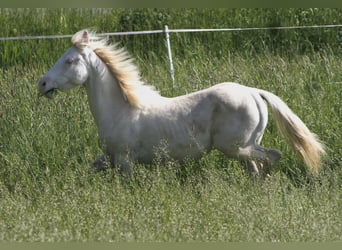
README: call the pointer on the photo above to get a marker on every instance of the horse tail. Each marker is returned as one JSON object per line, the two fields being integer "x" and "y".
{"x": 295, "y": 131}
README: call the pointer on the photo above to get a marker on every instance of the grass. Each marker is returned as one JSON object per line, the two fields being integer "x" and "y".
{"x": 153, "y": 208}
{"x": 48, "y": 193}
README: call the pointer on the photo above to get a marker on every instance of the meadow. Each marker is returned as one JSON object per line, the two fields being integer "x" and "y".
{"x": 48, "y": 193}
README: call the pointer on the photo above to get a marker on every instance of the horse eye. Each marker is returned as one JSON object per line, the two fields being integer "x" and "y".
{"x": 69, "y": 61}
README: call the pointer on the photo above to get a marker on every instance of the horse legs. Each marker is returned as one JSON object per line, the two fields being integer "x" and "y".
{"x": 255, "y": 155}
{"x": 251, "y": 167}
{"x": 106, "y": 161}
{"x": 102, "y": 163}
{"x": 123, "y": 163}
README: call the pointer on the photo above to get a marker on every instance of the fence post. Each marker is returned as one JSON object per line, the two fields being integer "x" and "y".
{"x": 166, "y": 30}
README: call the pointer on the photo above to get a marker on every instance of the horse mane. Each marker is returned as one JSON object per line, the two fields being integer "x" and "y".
{"x": 120, "y": 65}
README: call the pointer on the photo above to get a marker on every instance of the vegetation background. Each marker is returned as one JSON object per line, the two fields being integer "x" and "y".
{"x": 47, "y": 191}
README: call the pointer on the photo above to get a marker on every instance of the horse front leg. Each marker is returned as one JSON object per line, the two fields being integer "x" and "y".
{"x": 122, "y": 162}
{"x": 106, "y": 161}
{"x": 102, "y": 163}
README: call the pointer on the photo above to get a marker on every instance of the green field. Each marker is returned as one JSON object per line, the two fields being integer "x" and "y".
{"x": 48, "y": 192}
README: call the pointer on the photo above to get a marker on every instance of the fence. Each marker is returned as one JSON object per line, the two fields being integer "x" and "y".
{"x": 167, "y": 32}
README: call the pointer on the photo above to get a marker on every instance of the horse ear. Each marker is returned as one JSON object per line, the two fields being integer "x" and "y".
{"x": 81, "y": 39}
{"x": 85, "y": 37}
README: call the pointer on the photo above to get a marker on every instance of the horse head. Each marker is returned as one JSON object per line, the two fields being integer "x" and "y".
{"x": 70, "y": 70}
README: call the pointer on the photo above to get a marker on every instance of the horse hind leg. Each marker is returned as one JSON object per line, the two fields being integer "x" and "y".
{"x": 259, "y": 160}
{"x": 251, "y": 167}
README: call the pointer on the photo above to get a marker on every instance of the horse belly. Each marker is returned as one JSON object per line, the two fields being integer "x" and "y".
{"x": 173, "y": 141}
{"x": 190, "y": 146}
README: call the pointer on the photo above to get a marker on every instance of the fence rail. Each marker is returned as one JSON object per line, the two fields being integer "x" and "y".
{"x": 167, "y": 32}
{"x": 147, "y": 32}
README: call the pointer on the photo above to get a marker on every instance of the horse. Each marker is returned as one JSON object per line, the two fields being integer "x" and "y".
{"x": 133, "y": 119}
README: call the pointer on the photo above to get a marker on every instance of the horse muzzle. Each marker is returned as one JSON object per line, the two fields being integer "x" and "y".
{"x": 46, "y": 88}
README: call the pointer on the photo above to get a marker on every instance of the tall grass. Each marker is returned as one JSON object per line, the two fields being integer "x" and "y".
{"x": 49, "y": 193}
{"x": 29, "y": 22}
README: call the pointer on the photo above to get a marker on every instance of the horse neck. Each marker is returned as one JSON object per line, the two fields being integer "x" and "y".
{"x": 104, "y": 94}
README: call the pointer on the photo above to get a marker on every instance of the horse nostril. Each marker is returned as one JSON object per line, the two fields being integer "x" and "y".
{"x": 43, "y": 84}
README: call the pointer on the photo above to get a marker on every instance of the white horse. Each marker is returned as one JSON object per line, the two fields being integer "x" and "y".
{"x": 133, "y": 119}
